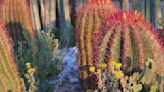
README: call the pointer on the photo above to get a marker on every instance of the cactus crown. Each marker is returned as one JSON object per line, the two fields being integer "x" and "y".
{"x": 134, "y": 18}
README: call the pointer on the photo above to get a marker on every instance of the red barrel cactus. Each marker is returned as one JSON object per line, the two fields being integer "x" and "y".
{"x": 128, "y": 38}
{"x": 89, "y": 20}
{"x": 9, "y": 77}
{"x": 16, "y": 16}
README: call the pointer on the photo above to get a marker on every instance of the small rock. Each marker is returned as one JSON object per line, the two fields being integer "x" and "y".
{"x": 74, "y": 80}
{"x": 70, "y": 64}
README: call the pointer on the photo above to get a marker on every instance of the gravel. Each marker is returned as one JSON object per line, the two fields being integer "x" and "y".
{"x": 67, "y": 80}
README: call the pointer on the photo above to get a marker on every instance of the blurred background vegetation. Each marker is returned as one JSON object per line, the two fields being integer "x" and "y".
{"x": 60, "y": 15}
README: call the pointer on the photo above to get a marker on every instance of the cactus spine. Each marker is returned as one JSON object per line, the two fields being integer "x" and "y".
{"x": 9, "y": 79}
{"x": 89, "y": 19}
{"x": 16, "y": 15}
{"x": 128, "y": 38}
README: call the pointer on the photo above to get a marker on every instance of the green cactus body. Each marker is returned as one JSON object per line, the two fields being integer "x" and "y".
{"x": 127, "y": 37}
{"x": 9, "y": 79}
{"x": 16, "y": 16}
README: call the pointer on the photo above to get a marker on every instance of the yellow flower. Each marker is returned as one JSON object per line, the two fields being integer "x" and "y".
{"x": 112, "y": 63}
{"x": 28, "y": 65}
{"x": 99, "y": 71}
{"x": 126, "y": 77}
{"x": 119, "y": 74}
{"x": 92, "y": 69}
{"x": 31, "y": 70}
{"x": 115, "y": 64}
{"x": 118, "y": 65}
{"x": 103, "y": 65}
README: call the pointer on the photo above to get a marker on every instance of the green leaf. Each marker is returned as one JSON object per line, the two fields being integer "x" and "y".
{"x": 150, "y": 64}
{"x": 154, "y": 87}
{"x": 147, "y": 77}
{"x": 137, "y": 87}
{"x": 136, "y": 76}
{"x": 149, "y": 72}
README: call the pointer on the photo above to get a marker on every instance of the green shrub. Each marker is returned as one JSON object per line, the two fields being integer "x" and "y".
{"x": 42, "y": 53}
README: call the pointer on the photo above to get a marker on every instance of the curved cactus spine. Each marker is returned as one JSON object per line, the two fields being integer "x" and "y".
{"x": 16, "y": 15}
{"x": 9, "y": 79}
{"x": 138, "y": 41}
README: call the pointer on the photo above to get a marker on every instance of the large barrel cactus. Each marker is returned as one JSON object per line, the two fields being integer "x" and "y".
{"x": 16, "y": 15}
{"x": 9, "y": 79}
{"x": 127, "y": 38}
{"x": 89, "y": 20}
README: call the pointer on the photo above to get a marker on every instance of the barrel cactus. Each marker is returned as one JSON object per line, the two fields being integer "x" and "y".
{"x": 9, "y": 79}
{"x": 16, "y": 16}
{"x": 128, "y": 38}
{"x": 89, "y": 20}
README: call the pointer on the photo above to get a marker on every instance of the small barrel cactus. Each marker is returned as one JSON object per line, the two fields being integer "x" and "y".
{"x": 9, "y": 79}
{"x": 16, "y": 16}
{"x": 89, "y": 20}
{"x": 127, "y": 37}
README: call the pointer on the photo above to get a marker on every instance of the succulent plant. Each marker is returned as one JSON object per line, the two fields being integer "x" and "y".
{"x": 149, "y": 73}
{"x": 9, "y": 78}
{"x": 127, "y": 37}
{"x": 145, "y": 81}
{"x": 16, "y": 15}
{"x": 89, "y": 20}
{"x": 161, "y": 22}
{"x": 131, "y": 85}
